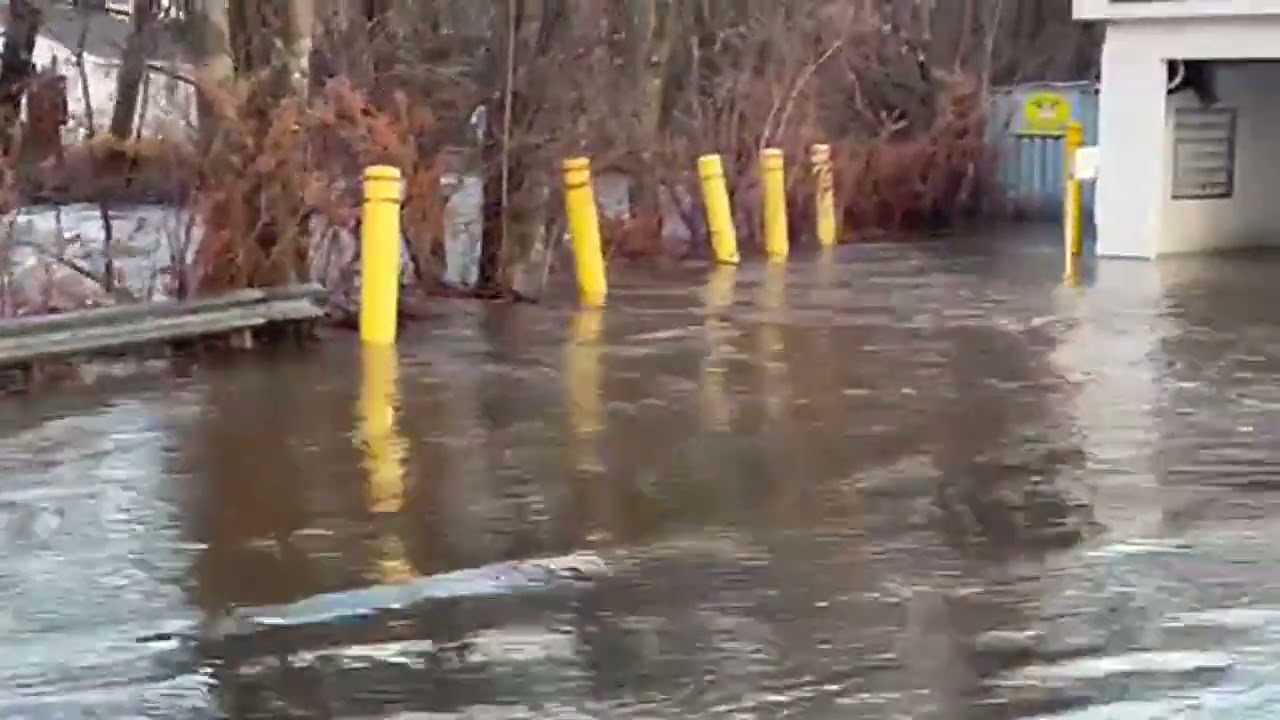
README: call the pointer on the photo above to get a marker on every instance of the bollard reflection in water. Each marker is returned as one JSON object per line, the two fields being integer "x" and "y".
{"x": 826, "y": 268}
{"x": 771, "y": 348}
{"x": 820, "y": 366}
{"x": 721, "y": 287}
{"x": 384, "y": 453}
{"x": 824, "y": 279}
{"x": 1071, "y": 271}
{"x": 583, "y": 378}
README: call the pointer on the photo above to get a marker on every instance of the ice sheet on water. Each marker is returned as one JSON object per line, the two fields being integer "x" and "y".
{"x": 1150, "y": 662}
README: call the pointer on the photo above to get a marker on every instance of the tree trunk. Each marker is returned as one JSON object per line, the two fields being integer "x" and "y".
{"x": 466, "y": 17}
{"x": 300, "y": 26}
{"x": 648, "y": 34}
{"x": 133, "y": 67}
{"x": 16, "y": 66}
{"x": 216, "y": 59}
{"x": 532, "y": 175}
{"x": 517, "y": 181}
{"x": 503, "y": 38}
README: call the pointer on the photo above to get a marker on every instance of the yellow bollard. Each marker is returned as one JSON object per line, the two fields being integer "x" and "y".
{"x": 715, "y": 197}
{"x": 721, "y": 287}
{"x": 772, "y": 170}
{"x": 824, "y": 194}
{"x": 584, "y": 227}
{"x": 582, "y": 372}
{"x": 1073, "y": 194}
{"x": 380, "y": 255}
{"x": 385, "y": 449}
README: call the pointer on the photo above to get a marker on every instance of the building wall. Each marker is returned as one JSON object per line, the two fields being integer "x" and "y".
{"x": 1130, "y": 134}
{"x": 1113, "y": 10}
{"x": 1134, "y": 213}
{"x": 1251, "y": 217}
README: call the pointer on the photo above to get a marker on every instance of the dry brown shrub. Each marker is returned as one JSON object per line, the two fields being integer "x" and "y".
{"x": 148, "y": 170}
{"x": 635, "y": 237}
{"x": 922, "y": 183}
{"x": 908, "y": 136}
{"x": 270, "y": 174}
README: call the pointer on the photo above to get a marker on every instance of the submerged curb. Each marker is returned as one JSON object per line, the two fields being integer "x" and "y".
{"x": 247, "y": 631}
{"x": 497, "y": 580}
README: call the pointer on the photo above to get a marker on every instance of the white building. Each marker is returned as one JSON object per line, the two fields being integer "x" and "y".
{"x": 1197, "y": 167}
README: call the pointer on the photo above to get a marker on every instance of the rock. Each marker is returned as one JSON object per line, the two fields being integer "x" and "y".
{"x": 1007, "y": 642}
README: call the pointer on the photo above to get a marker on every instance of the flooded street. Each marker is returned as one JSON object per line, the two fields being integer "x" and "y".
{"x": 900, "y": 482}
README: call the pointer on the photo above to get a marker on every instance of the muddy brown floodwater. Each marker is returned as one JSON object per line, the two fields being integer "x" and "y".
{"x": 916, "y": 482}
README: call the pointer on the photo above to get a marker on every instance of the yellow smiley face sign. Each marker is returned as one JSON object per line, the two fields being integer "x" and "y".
{"x": 1045, "y": 114}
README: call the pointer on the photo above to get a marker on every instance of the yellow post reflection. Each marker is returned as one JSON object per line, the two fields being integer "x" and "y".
{"x": 826, "y": 274}
{"x": 384, "y": 451}
{"x": 721, "y": 287}
{"x": 771, "y": 348}
{"x": 1071, "y": 273}
{"x": 820, "y": 366}
{"x": 583, "y": 376}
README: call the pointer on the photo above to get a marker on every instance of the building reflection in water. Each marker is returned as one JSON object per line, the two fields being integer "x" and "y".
{"x": 385, "y": 450}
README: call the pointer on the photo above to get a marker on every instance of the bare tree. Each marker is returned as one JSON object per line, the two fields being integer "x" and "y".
{"x": 299, "y": 34}
{"x": 16, "y": 65}
{"x": 215, "y": 61}
{"x": 133, "y": 68}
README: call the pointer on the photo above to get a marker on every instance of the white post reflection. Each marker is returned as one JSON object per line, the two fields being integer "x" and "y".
{"x": 385, "y": 449}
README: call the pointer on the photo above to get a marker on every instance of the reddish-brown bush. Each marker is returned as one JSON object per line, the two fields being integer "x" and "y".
{"x": 265, "y": 178}
{"x": 925, "y": 182}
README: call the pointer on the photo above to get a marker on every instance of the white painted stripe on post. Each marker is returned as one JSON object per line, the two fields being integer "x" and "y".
{"x": 1085, "y": 166}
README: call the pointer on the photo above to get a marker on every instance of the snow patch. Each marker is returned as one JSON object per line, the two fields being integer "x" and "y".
{"x": 167, "y": 107}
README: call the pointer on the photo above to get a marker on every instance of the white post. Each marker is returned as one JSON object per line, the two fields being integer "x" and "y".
{"x": 1132, "y": 139}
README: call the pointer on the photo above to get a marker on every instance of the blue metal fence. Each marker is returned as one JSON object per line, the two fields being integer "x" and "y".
{"x": 1024, "y": 127}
